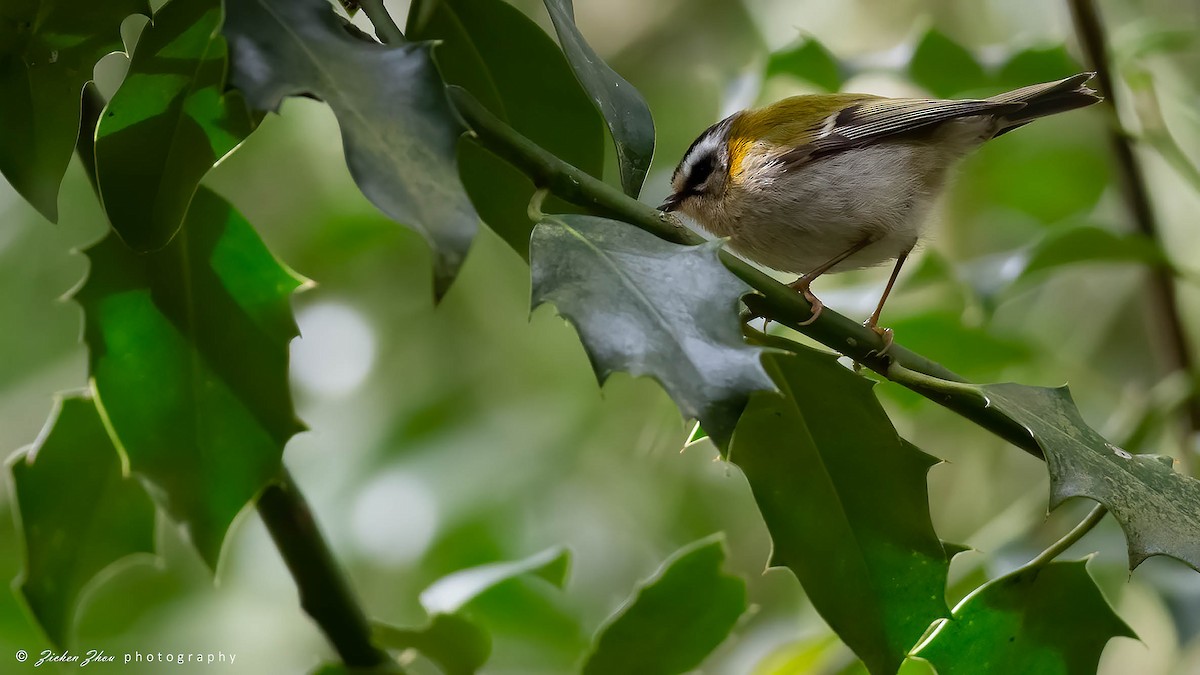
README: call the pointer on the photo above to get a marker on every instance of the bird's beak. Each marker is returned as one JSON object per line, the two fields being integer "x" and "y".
{"x": 671, "y": 204}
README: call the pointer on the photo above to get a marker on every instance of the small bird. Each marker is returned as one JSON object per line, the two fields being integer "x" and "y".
{"x": 835, "y": 182}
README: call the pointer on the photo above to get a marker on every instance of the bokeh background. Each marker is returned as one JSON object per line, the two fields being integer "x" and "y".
{"x": 442, "y": 438}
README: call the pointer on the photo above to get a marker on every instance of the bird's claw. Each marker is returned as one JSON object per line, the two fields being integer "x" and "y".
{"x": 886, "y": 334}
{"x": 817, "y": 306}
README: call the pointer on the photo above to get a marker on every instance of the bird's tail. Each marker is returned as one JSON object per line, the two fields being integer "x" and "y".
{"x": 1044, "y": 99}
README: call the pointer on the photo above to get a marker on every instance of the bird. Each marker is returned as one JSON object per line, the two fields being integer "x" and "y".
{"x": 825, "y": 183}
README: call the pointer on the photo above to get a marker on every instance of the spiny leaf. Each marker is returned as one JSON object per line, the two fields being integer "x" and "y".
{"x": 514, "y": 68}
{"x": 945, "y": 67}
{"x": 650, "y": 307}
{"x": 457, "y": 644}
{"x": 624, "y": 109}
{"x": 188, "y": 352}
{"x": 47, "y": 51}
{"x": 810, "y": 61}
{"x": 398, "y": 131}
{"x": 168, "y": 124}
{"x": 846, "y": 502}
{"x": 1051, "y": 620}
{"x": 1158, "y": 509}
{"x": 676, "y": 618}
{"x": 78, "y": 514}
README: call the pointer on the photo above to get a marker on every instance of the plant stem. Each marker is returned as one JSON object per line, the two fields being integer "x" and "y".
{"x": 1057, "y": 548}
{"x": 773, "y": 300}
{"x": 1164, "y": 304}
{"x": 385, "y": 28}
{"x": 325, "y": 593}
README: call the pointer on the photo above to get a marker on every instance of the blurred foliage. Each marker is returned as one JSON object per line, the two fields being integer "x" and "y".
{"x": 447, "y": 438}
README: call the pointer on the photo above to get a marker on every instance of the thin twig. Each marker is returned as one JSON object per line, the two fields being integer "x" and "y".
{"x": 1059, "y": 547}
{"x": 385, "y": 28}
{"x": 1164, "y": 304}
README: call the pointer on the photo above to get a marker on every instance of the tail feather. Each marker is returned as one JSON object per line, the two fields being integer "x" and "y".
{"x": 1046, "y": 99}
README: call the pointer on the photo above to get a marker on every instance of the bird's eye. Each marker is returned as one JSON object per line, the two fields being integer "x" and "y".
{"x": 700, "y": 171}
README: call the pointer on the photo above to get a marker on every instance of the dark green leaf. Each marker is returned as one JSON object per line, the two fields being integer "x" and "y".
{"x": 514, "y": 68}
{"x": 1037, "y": 65}
{"x": 676, "y": 618}
{"x": 1158, "y": 509}
{"x": 398, "y": 130}
{"x": 455, "y": 643}
{"x": 188, "y": 353}
{"x": 47, "y": 52}
{"x": 1051, "y": 620}
{"x": 1087, "y": 244}
{"x": 810, "y": 61}
{"x": 78, "y": 514}
{"x": 624, "y": 109}
{"x": 944, "y": 67}
{"x": 168, "y": 124}
{"x": 450, "y": 593}
{"x": 650, "y": 307}
{"x": 846, "y": 502}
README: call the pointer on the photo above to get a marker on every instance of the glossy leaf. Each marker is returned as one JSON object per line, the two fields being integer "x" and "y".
{"x": 675, "y": 620}
{"x": 1158, "y": 509}
{"x": 624, "y": 109}
{"x": 78, "y": 514}
{"x": 168, "y": 124}
{"x": 846, "y": 503}
{"x": 513, "y": 68}
{"x": 810, "y": 61}
{"x": 398, "y": 130}
{"x": 450, "y": 593}
{"x": 47, "y": 51}
{"x": 455, "y": 643}
{"x": 188, "y": 354}
{"x": 1089, "y": 244}
{"x": 649, "y": 307}
{"x": 944, "y": 67}
{"x": 1051, "y": 620}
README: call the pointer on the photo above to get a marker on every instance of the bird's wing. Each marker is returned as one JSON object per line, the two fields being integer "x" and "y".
{"x": 868, "y": 121}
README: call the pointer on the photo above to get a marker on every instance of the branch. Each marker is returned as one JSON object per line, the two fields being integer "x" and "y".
{"x": 773, "y": 300}
{"x": 1059, "y": 547}
{"x": 1164, "y": 304}
{"x": 385, "y": 28}
{"x": 325, "y": 593}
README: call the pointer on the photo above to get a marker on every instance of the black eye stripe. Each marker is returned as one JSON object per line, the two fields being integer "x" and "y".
{"x": 699, "y": 173}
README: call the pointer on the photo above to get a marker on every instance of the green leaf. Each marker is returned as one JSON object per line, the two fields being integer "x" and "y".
{"x": 455, "y": 643}
{"x": 1051, "y": 620}
{"x": 78, "y": 514}
{"x": 450, "y": 593}
{"x": 650, "y": 307}
{"x": 188, "y": 351}
{"x": 1089, "y": 244}
{"x": 624, "y": 109}
{"x": 168, "y": 124}
{"x": 399, "y": 132}
{"x": 1037, "y": 65}
{"x": 846, "y": 503}
{"x": 944, "y": 67}
{"x": 47, "y": 51}
{"x": 810, "y": 61}
{"x": 676, "y": 618}
{"x": 514, "y": 68}
{"x": 1158, "y": 509}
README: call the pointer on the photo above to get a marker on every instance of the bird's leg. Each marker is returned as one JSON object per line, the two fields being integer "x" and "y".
{"x": 873, "y": 321}
{"x": 804, "y": 283}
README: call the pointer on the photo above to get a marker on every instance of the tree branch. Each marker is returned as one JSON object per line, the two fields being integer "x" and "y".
{"x": 385, "y": 28}
{"x": 1164, "y": 305}
{"x": 773, "y": 300}
{"x": 1059, "y": 547}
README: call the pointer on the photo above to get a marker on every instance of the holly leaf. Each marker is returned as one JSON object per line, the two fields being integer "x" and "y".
{"x": 1158, "y": 509}
{"x": 453, "y": 591}
{"x": 513, "y": 68}
{"x": 675, "y": 620}
{"x": 78, "y": 515}
{"x": 188, "y": 352}
{"x": 650, "y": 307}
{"x": 1089, "y": 244}
{"x": 169, "y": 123}
{"x": 846, "y": 503}
{"x": 809, "y": 61}
{"x": 623, "y": 108}
{"x": 48, "y": 49}
{"x": 1050, "y": 620}
{"x": 457, "y": 644}
{"x": 944, "y": 67}
{"x": 398, "y": 130}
